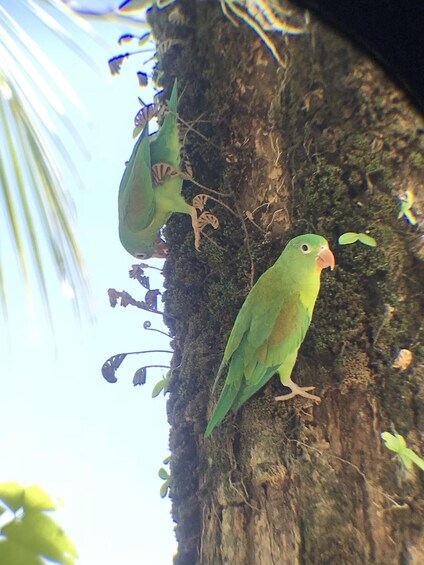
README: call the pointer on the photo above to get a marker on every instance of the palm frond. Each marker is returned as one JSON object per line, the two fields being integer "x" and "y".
{"x": 37, "y": 209}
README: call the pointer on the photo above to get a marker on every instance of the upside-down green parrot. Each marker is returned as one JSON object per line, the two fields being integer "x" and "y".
{"x": 150, "y": 189}
{"x": 272, "y": 324}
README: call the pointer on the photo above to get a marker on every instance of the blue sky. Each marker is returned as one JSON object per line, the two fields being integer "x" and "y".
{"x": 96, "y": 445}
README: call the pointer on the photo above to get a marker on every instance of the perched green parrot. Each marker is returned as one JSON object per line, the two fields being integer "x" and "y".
{"x": 150, "y": 190}
{"x": 272, "y": 324}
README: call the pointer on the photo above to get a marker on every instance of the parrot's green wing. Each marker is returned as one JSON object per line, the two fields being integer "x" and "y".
{"x": 275, "y": 358}
{"x": 259, "y": 306}
{"x": 165, "y": 148}
{"x": 165, "y": 144}
{"x": 136, "y": 200}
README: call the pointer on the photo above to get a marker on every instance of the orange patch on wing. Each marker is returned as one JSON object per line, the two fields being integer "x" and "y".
{"x": 284, "y": 324}
{"x": 282, "y": 329}
{"x": 262, "y": 352}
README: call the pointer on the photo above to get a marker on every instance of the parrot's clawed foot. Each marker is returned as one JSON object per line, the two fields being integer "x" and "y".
{"x": 298, "y": 391}
{"x": 162, "y": 170}
{"x": 205, "y": 219}
{"x": 199, "y": 201}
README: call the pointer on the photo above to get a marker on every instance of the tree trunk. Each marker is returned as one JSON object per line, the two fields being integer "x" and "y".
{"x": 324, "y": 144}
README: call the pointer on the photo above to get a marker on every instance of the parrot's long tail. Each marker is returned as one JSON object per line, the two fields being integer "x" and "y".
{"x": 230, "y": 390}
{"x": 225, "y": 402}
{"x": 218, "y": 376}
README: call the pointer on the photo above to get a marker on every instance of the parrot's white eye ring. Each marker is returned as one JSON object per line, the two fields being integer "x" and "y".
{"x": 305, "y": 248}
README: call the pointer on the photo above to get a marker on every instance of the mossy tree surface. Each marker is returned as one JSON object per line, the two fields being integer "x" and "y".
{"x": 323, "y": 145}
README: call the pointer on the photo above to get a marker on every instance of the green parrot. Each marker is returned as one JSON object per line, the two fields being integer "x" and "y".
{"x": 150, "y": 190}
{"x": 272, "y": 324}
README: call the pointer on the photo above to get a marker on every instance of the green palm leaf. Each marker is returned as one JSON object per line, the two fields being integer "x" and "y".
{"x": 36, "y": 207}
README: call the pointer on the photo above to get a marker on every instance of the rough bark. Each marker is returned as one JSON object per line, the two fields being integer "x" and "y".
{"x": 323, "y": 145}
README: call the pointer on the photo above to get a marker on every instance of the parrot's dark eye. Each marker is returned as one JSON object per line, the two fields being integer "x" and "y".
{"x": 141, "y": 256}
{"x": 305, "y": 248}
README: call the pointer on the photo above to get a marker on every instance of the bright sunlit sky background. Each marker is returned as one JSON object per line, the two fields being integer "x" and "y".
{"x": 96, "y": 445}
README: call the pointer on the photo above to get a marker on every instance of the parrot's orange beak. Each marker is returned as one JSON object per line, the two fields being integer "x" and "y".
{"x": 325, "y": 258}
{"x": 161, "y": 250}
